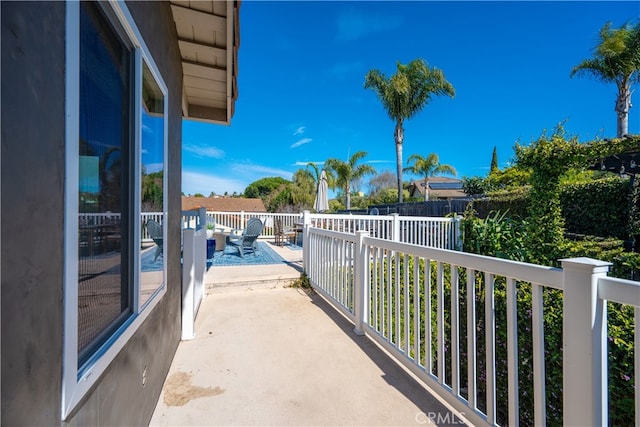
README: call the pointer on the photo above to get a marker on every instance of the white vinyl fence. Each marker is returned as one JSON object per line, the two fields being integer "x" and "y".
{"x": 438, "y": 232}
{"x": 435, "y": 311}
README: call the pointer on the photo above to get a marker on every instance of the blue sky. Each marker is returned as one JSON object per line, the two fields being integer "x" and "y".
{"x": 302, "y": 98}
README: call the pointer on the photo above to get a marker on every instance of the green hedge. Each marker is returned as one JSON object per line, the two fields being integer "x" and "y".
{"x": 514, "y": 202}
{"x": 597, "y": 208}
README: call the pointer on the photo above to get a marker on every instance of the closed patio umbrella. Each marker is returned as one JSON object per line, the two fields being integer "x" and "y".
{"x": 321, "y": 203}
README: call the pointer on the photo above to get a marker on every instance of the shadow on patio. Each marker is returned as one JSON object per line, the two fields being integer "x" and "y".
{"x": 286, "y": 357}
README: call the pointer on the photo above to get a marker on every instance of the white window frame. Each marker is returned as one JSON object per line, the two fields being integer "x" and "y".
{"x": 77, "y": 381}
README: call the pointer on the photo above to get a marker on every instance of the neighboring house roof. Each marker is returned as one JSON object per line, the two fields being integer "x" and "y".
{"x": 223, "y": 204}
{"x": 208, "y": 38}
{"x": 440, "y": 187}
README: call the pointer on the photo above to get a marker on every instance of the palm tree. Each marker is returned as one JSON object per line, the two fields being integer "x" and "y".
{"x": 316, "y": 174}
{"x": 347, "y": 172}
{"x": 616, "y": 59}
{"x": 404, "y": 94}
{"x": 427, "y": 167}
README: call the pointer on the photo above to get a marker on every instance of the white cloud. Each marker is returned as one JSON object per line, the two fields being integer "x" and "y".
{"x": 299, "y": 163}
{"x": 153, "y": 167}
{"x": 256, "y": 171}
{"x": 301, "y": 142}
{"x": 200, "y": 151}
{"x": 240, "y": 175}
{"x": 299, "y": 131}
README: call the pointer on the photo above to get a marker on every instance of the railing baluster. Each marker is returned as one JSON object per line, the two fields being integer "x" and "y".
{"x": 396, "y": 302}
{"x": 455, "y": 331}
{"x": 407, "y": 322}
{"x": 537, "y": 330}
{"x": 512, "y": 352}
{"x": 417, "y": 335}
{"x": 636, "y": 362}
{"x": 490, "y": 341}
{"x": 472, "y": 397}
{"x": 440, "y": 321}
{"x": 428, "y": 352}
{"x": 389, "y": 299}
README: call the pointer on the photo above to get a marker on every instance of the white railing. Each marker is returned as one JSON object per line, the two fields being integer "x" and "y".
{"x": 104, "y": 218}
{"x": 238, "y": 220}
{"x": 194, "y": 254}
{"x": 195, "y": 219}
{"x": 435, "y": 311}
{"x": 437, "y": 232}
{"x": 426, "y": 231}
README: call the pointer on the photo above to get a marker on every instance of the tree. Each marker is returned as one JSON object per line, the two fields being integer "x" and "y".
{"x": 616, "y": 59}
{"x": 494, "y": 160}
{"x": 474, "y": 186}
{"x": 427, "y": 167}
{"x": 303, "y": 190}
{"x": 331, "y": 180}
{"x": 404, "y": 94}
{"x": 347, "y": 172}
{"x": 380, "y": 182}
{"x": 263, "y": 187}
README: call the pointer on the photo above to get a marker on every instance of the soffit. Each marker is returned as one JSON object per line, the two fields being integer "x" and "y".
{"x": 208, "y": 38}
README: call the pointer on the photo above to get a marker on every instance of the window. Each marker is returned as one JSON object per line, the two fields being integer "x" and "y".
{"x": 152, "y": 182}
{"x": 116, "y": 143}
{"x": 104, "y": 199}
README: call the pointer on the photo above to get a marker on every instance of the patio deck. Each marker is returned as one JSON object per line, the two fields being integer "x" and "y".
{"x": 284, "y": 356}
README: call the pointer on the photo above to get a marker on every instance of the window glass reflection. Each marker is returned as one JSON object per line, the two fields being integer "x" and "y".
{"x": 104, "y": 288}
{"x": 152, "y": 186}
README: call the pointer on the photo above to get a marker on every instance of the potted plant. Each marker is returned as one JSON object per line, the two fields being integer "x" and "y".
{"x": 210, "y": 230}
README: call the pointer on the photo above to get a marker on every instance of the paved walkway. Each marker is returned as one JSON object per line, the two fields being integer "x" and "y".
{"x": 284, "y": 357}
{"x": 231, "y": 278}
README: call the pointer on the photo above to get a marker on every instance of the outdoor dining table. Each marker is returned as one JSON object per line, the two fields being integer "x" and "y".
{"x": 92, "y": 233}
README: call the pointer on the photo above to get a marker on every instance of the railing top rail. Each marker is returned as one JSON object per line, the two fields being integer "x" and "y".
{"x": 351, "y": 217}
{"x": 622, "y": 291}
{"x": 255, "y": 213}
{"x": 425, "y": 218}
{"x": 333, "y": 234}
{"x": 548, "y": 276}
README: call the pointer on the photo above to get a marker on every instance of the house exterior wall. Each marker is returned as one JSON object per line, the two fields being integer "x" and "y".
{"x": 32, "y": 214}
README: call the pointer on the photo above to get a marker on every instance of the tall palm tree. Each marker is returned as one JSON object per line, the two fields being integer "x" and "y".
{"x": 404, "y": 94}
{"x": 427, "y": 167}
{"x": 348, "y": 172}
{"x": 616, "y": 59}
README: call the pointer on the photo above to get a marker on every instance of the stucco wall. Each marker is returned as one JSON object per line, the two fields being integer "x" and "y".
{"x": 32, "y": 212}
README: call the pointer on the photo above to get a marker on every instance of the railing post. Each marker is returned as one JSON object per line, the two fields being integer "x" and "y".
{"x": 306, "y": 222}
{"x": 202, "y": 219}
{"x": 188, "y": 284}
{"x": 360, "y": 295}
{"x": 241, "y": 220}
{"x": 584, "y": 338}
{"x": 457, "y": 233}
{"x": 395, "y": 230}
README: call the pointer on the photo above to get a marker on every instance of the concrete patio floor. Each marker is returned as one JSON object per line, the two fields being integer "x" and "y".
{"x": 282, "y": 356}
